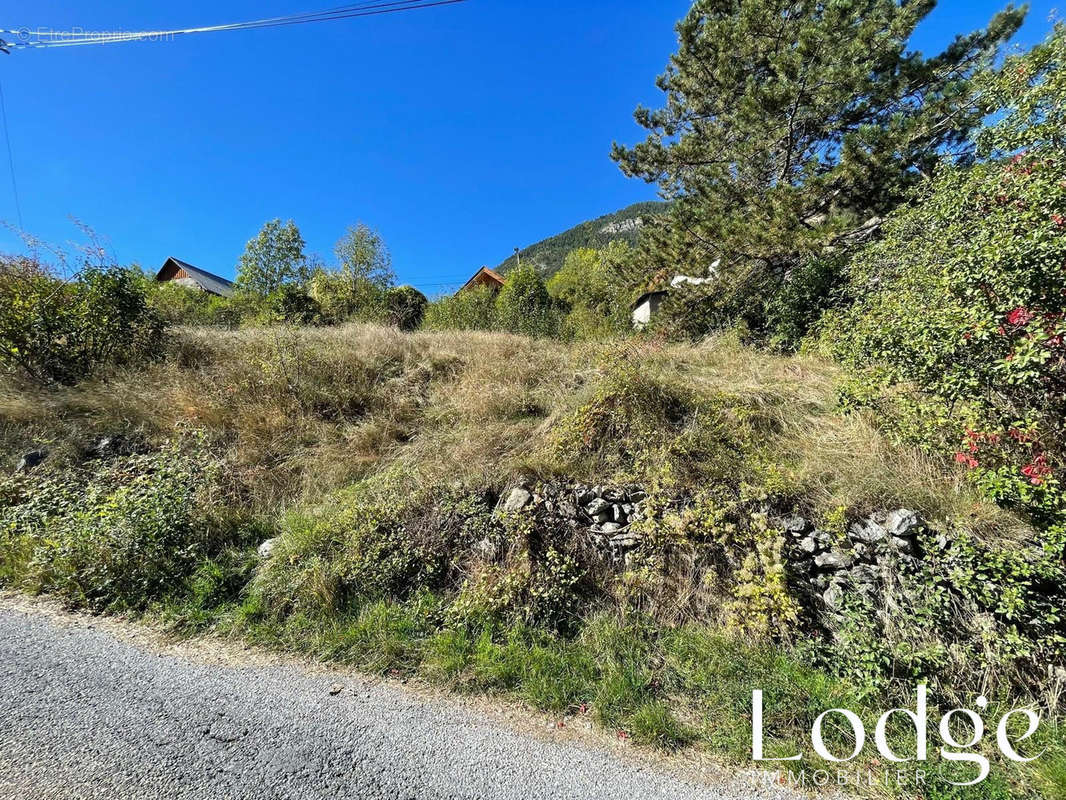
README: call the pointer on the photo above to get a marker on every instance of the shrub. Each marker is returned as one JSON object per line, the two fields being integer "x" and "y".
{"x": 964, "y": 300}
{"x": 470, "y": 310}
{"x": 61, "y": 331}
{"x": 117, "y": 538}
{"x": 293, "y": 304}
{"x": 524, "y": 305}
{"x": 406, "y": 307}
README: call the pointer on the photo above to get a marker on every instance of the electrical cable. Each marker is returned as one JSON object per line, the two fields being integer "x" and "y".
{"x": 10, "y": 158}
{"x": 71, "y": 39}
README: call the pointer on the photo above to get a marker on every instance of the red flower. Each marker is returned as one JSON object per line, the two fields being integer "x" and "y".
{"x": 1037, "y": 471}
{"x": 967, "y": 459}
{"x": 1020, "y": 316}
{"x": 1059, "y": 220}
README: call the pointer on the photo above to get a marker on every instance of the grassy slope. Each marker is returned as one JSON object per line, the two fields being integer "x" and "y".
{"x": 299, "y": 413}
{"x": 298, "y": 417}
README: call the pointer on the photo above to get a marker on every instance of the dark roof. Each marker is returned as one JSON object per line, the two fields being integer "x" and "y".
{"x": 648, "y": 296}
{"x": 208, "y": 281}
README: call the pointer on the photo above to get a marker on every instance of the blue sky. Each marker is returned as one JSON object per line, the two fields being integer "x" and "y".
{"x": 458, "y": 132}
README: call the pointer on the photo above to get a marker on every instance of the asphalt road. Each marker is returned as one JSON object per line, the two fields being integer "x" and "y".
{"x": 88, "y": 713}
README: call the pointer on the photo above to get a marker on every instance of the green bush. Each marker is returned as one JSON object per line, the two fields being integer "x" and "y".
{"x": 61, "y": 331}
{"x": 117, "y": 538}
{"x": 958, "y": 316}
{"x": 293, "y": 304}
{"x": 406, "y": 307}
{"x": 469, "y": 310}
{"x": 524, "y": 305}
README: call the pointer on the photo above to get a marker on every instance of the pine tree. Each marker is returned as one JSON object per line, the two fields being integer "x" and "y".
{"x": 792, "y": 126}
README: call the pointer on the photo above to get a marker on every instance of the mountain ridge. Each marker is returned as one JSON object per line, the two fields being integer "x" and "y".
{"x": 548, "y": 254}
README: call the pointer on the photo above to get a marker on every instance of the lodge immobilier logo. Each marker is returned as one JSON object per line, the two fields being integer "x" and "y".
{"x": 953, "y": 746}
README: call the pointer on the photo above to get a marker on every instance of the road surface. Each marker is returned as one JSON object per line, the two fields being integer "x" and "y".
{"x": 88, "y": 712}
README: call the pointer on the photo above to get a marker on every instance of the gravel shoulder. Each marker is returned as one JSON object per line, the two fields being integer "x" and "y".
{"x": 93, "y": 708}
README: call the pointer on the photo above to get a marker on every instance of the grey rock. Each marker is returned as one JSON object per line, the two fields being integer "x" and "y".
{"x": 903, "y": 545}
{"x": 833, "y": 597}
{"x": 903, "y": 523}
{"x": 517, "y": 500}
{"x": 266, "y": 549}
{"x": 808, "y": 545}
{"x": 618, "y": 515}
{"x": 610, "y": 528}
{"x": 626, "y": 541}
{"x": 795, "y": 525}
{"x": 598, "y": 506}
{"x": 870, "y": 533}
{"x": 31, "y": 460}
{"x": 115, "y": 445}
{"x": 833, "y": 560}
{"x": 863, "y": 574}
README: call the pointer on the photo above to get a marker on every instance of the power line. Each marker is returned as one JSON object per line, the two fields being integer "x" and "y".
{"x": 10, "y": 157}
{"x": 71, "y": 39}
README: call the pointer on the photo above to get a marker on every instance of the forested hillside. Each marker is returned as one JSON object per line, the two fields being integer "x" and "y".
{"x": 625, "y": 225}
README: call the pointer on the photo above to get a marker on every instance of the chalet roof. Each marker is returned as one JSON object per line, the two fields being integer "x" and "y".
{"x": 485, "y": 272}
{"x": 208, "y": 281}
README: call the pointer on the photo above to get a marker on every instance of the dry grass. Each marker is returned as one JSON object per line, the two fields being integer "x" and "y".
{"x": 300, "y": 413}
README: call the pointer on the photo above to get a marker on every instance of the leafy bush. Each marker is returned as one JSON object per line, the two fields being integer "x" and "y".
{"x": 406, "y": 307}
{"x": 293, "y": 304}
{"x": 473, "y": 309}
{"x": 61, "y": 331}
{"x": 593, "y": 285}
{"x": 524, "y": 305}
{"x": 117, "y": 538}
{"x": 964, "y": 300}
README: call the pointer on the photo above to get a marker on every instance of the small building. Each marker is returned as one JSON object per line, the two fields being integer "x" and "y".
{"x": 175, "y": 271}
{"x": 646, "y": 307}
{"x": 485, "y": 277}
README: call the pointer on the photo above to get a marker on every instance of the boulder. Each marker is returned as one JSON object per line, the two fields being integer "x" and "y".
{"x": 903, "y": 523}
{"x": 610, "y": 528}
{"x": 833, "y": 597}
{"x": 597, "y": 507}
{"x": 266, "y": 549}
{"x": 903, "y": 545}
{"x": 517, "y": 500}
{"x": 834, "y": 559}
{"x": 869, "y": 533}
{"x": 626, "y": 541}
{"x": 808, "y": 545}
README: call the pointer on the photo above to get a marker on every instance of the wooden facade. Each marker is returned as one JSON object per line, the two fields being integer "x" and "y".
{"x": 485, "y": 277}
